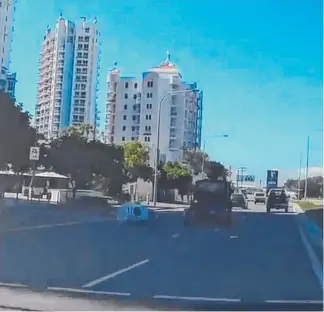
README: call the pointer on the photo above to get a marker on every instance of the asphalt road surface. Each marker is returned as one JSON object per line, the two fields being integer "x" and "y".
{"x": 262, "y": 258}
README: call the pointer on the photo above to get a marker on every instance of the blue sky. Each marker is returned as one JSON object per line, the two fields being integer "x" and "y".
{"x": 259, "y": 63}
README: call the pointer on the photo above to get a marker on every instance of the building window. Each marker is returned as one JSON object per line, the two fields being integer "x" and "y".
{"x": 149, "y": 95}
{"x": 134, "y": 117}
{"x": 133, "y": 138}
{"x": 126, "y": 85}
{"x": 148, "y": 117}
{"x": 123, "y": 139}
{"x": 125, "y": 106}
{"x": 147, "y": 128}
{"x": 124, "y": 117}
{"x": 149, "y": 106}
{"x": 124, "y": 128}
{"x": 86, "y": 38}
{"x": 135, "y": 96}
{"x": 150, "y": 84}
{"x": 135, "y": 85}
{"x": 125, "y": 96}
{"x": 147, "y": 139}
{"x": 87, "y": 30}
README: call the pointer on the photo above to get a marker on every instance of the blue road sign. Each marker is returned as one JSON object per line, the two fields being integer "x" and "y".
{"x": 246, "y": 178}
{"x": 272, "y": 178}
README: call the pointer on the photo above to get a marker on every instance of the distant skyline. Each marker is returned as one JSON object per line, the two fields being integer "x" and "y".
{"x": 259, "y": 64}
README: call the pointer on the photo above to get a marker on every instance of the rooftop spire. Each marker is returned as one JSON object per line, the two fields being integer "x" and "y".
{"x": 168, "y": 57}
{"x": 61, "y": 16}
{"x": 115, "y": 69}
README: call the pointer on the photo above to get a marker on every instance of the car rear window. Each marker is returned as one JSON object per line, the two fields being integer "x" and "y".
{"x": 276, "y": 192}
{"x": 259, "y": 194}
{"x": 237, "y": 196}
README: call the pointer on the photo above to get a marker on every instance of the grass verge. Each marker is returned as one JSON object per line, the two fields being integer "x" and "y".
{"x": 313, "y": 211}
{"x": 308, "y": 205}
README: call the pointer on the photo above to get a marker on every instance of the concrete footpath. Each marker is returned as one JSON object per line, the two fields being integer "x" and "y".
{"x": 312, "y": 237}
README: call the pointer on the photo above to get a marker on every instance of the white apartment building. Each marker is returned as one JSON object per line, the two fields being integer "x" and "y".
{"x": 7, "y": 9}
{"x": 123, "y": 108}
{"x": 55, "y": 79}
{"x": 67, "y": 78}
{"x": 133, "y": 115}
{"x": 85, "y": 74}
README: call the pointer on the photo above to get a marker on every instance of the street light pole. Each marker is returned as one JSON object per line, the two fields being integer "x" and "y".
{"x": 204, "y": 148}
{"x": 157, "y": 149}
{"x": 307, "y": 164}
{"x": 299, "y": 175}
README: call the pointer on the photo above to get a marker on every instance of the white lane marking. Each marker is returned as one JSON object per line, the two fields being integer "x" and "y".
{"x": 196, "y": 298}
{"x": 316, "y": 266}
{"x": 86, "y": 291}
{"x": 44, "y": 226}
{"x": 233, "y": 236}
{"x": 294, "y": 301}
{"x": 13, "y": 285}
{"x": 175, "y": 235}
{"x": 114, "y": 274}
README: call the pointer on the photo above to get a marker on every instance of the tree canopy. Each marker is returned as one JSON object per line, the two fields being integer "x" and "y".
{"x": 175, "y": 176}
{"x": 213, "y": 169}
{"x": 314, "y": 186}
{"x": 91, "y": 164}
{"x": 16, "y": 135}
{"x": 135, "y": 161}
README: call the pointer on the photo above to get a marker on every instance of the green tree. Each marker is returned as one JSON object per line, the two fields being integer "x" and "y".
{"x": 213, "y": 169}
{"x": 135, "y": 154}
{"x": 16, "y": 135}
{"x": 84, "y": 130}
{"x": 194, "y": 160}
{"x": 90, "y": 164}
{"x": 135, "y": 161}
{"x": 177, "y": 177}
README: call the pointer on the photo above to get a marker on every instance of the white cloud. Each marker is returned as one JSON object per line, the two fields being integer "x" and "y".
{"x": 293, "y": 174}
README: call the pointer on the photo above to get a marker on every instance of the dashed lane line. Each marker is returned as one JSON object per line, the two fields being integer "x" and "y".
{"x": 114, "y": 274}
{"x": 46, "y": 226}
{"x": 88, "y": 291}
{"x": 15, "y": 285}
{"x": 295, "y": 301}
{"x": 196, "y": 298}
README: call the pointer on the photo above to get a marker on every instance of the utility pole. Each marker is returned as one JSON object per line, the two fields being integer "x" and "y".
{"x": 242, "y": 169}
{"x": 306, "y": 175}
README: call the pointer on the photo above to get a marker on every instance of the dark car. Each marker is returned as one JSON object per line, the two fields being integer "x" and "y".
{"x": 277, "y": 199}
{"x": 239, "y": 200}
{"x": 211, "y": 204}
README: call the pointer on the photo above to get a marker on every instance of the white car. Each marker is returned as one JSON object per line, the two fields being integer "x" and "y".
{"x": 260, "y": 197}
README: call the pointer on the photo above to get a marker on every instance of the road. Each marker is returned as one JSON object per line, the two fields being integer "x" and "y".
{"x": 262, "y": 258}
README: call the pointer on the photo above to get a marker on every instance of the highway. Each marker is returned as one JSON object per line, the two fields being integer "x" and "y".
{"x": 262, "y": 258}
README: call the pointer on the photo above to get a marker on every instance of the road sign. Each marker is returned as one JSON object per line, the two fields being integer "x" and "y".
{"x": 246, "y": 178}
{"x": 34, "y": 153}
{"x": 272, "y": 178}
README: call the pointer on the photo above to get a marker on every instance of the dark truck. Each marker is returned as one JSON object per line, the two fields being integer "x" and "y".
{"x": 277, "y": 199}
{"x": 211, "y": 203}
